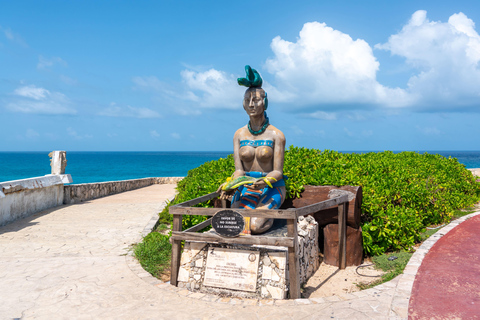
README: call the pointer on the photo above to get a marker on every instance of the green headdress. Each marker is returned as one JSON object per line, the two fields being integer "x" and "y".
{"x": 253, "y": 80}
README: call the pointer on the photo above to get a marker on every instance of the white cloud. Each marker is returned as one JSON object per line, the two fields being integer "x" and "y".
{"x": 325, "y": 72}
{"x": 327, "y": 67}
{"x": 367, "y": 133}
{"x": 207, "y": 89}
{"x": 129, "y": 112}
{"x": 31, "y": 134}
{"x": 149, "y": 83}
{"x": 175, "y": 135}
{"x": 32, "y": 99}
{"x": 32, "y": 92}
{"x": 44, "y": 63}
{"x": 184, "y": 111}
{"x": 68, "y": 80}
{"x": 213, "y": 89}
{"x": 14, "y": 37}
{"x": 154, "y": 134}
{"x": 296, "y": 130}
{"x": 322, "y": 115}
{"x": 348, "y": 132}
{"x": 446, "y": 55}
{"x": 429, "y": 131}
{"x": 73, "y": 133}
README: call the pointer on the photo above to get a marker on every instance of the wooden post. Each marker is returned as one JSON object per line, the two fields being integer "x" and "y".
{"x": 342, "y": 235}
{"x": 176, "y": 248}
{"x": 293, "y": 266}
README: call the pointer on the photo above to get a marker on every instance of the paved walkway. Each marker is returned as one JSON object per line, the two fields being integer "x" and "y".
{"x": 447, "y": 285}
{"x": 73, "y": 262}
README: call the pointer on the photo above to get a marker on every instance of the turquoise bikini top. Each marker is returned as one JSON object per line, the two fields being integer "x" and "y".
{"x": 256, "y": 143}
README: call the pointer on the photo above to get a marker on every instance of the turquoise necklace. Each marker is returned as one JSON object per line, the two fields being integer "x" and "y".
{"x": 262, "y": 129}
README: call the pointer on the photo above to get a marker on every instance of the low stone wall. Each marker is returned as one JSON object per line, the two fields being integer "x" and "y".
{"x": 22, "y": 198}
{"x": 272, "y": 273}
{"x": 77, "y": 193}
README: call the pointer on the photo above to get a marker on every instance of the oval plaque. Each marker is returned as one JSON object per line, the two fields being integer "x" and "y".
{"x": 228, "y": 223}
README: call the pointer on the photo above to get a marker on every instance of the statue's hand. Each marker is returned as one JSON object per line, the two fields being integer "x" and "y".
{"x": 219, "y": 190}
{"x": 224, "y": 195}
{"x": 260, "y": 184}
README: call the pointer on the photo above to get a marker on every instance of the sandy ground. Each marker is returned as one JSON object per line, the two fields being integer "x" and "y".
{"x": 330, "y": 281}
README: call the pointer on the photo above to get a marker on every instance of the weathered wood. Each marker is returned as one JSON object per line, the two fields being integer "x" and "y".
{"x": 262, "y": 213}
{"x": 342, "y": 235}
{"x": 315, "y": 194}
{"x": 200, "y": 226}
{"x": 293, "y": 263}
{"x": 321, "y": 205}
{"x": 221, "y": 203}
{"x": 354, "y": 246}
{"x": 198, "y": 200}
{"x": 176, "y": 248}
{"x": 252, "y": 240}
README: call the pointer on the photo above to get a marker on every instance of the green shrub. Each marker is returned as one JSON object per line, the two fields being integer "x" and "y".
{"x": 402, "y": 193}
{"x": 154, "y": 253}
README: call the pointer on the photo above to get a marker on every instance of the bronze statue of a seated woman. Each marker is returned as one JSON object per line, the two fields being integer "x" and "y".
{"x": 258, "y": 152}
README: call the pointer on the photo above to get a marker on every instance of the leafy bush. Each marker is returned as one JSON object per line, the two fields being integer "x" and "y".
{"x": 402, "y": 193}
{"x": 154, "y": 253}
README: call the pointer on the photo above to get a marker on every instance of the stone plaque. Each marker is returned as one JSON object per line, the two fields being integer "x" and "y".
{"x": 232, "y": 269}
{"x": 228, "y": 223}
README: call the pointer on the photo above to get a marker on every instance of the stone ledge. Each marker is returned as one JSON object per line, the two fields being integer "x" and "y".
{"x": 77, "y": 193}
{"x": 33, "y": 183}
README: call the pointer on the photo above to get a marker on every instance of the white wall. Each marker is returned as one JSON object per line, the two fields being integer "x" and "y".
{"x": 22, "y": 198}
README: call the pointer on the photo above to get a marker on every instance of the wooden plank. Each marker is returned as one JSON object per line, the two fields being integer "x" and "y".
{"x": 342, "y": 235}
{"x": 293, "y": 263}
{"x": 315, "y": 194}
{"x": 262, "y": 213}
{"x": 321, "y": 205}
{"x": 198, "y": 200}
{"x": 252, "y": 240}
{"x": 176, "y": 250}
{"x": 200, "y": 226}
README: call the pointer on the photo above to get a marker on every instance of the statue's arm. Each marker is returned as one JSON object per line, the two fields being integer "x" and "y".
{"x": 239, "y": 170}
{"x": 278, "y": 157}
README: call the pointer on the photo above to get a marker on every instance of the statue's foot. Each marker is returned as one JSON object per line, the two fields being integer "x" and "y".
{"x": 260, "y": 225}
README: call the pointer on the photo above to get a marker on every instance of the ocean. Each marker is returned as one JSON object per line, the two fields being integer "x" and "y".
{"x": 86, "y": 167}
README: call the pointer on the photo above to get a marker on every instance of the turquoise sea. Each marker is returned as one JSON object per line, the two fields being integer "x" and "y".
{"x": 111, "y": 166}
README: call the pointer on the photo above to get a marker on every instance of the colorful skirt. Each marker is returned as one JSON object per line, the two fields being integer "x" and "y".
{"x": 251, "y": 198}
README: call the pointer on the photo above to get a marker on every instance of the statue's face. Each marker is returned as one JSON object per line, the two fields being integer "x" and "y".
{"x": 253, "y": 101}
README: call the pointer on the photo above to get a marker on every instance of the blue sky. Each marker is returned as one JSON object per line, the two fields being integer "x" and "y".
{"x": 161, "y": 75}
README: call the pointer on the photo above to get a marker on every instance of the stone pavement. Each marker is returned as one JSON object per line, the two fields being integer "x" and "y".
{"x": 73, "y": 262}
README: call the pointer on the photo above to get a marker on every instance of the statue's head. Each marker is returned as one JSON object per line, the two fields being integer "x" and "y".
{"x": 254, "y": 83}
{"x": 254, "y": 101}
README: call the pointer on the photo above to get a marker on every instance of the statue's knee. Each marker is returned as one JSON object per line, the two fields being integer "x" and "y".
{"x": 260, "y": 225}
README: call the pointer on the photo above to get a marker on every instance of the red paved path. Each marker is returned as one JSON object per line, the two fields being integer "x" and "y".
{"x": 447, "y": 285}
